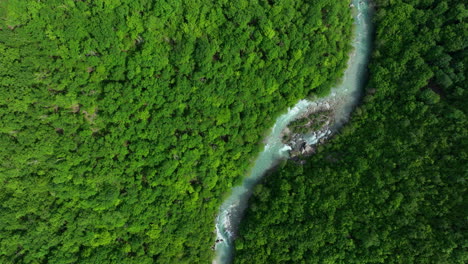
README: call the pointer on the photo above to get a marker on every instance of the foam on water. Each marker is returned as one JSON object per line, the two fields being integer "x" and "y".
{"x": 285, "y": 148}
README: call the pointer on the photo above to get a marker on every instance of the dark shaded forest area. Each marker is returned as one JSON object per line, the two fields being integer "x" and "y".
{"x": 123, "y": 123}
{"x": 391, "y": 187}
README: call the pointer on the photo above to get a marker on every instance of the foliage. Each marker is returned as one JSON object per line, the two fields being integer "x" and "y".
{"x": 312, "y": 122}
{"x": 124, "y": 122}
{"x": 390, "y": 188}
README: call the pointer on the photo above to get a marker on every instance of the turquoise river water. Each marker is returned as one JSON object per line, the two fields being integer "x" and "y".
{"x": 342, "y": 99}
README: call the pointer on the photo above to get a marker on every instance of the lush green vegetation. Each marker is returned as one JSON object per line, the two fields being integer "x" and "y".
{"x": 124, "y": 122}
{"x": 391, "y": 187}
{"x": 309, "y": 123}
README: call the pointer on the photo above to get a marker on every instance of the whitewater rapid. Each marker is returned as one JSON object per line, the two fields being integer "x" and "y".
{"x": 342, "y": 99}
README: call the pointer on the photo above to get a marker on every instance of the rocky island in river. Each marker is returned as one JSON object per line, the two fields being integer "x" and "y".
{"x": 308, "y": 130}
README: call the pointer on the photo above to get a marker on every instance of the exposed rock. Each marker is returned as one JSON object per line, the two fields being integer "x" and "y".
{"x": 308, "y": 150}
{"x": 308, "y": 130}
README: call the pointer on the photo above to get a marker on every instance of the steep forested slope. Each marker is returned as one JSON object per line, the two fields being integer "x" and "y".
{"x": 124, "y": 122}
{"x": 391, "y": 188}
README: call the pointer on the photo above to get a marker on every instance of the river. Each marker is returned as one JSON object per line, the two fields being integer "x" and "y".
{"x": 342, "y": 99}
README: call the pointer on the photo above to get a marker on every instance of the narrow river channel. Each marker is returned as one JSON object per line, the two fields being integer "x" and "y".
{"x": 342, "y": 99}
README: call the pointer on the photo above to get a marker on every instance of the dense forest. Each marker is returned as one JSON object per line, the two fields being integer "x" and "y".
{"x": 391, "y": 186}
{"x": 123, "y": 123}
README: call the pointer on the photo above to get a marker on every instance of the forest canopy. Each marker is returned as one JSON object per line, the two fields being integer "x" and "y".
{"x": 123, "y": 123}
{"x": 391, "y": 186}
